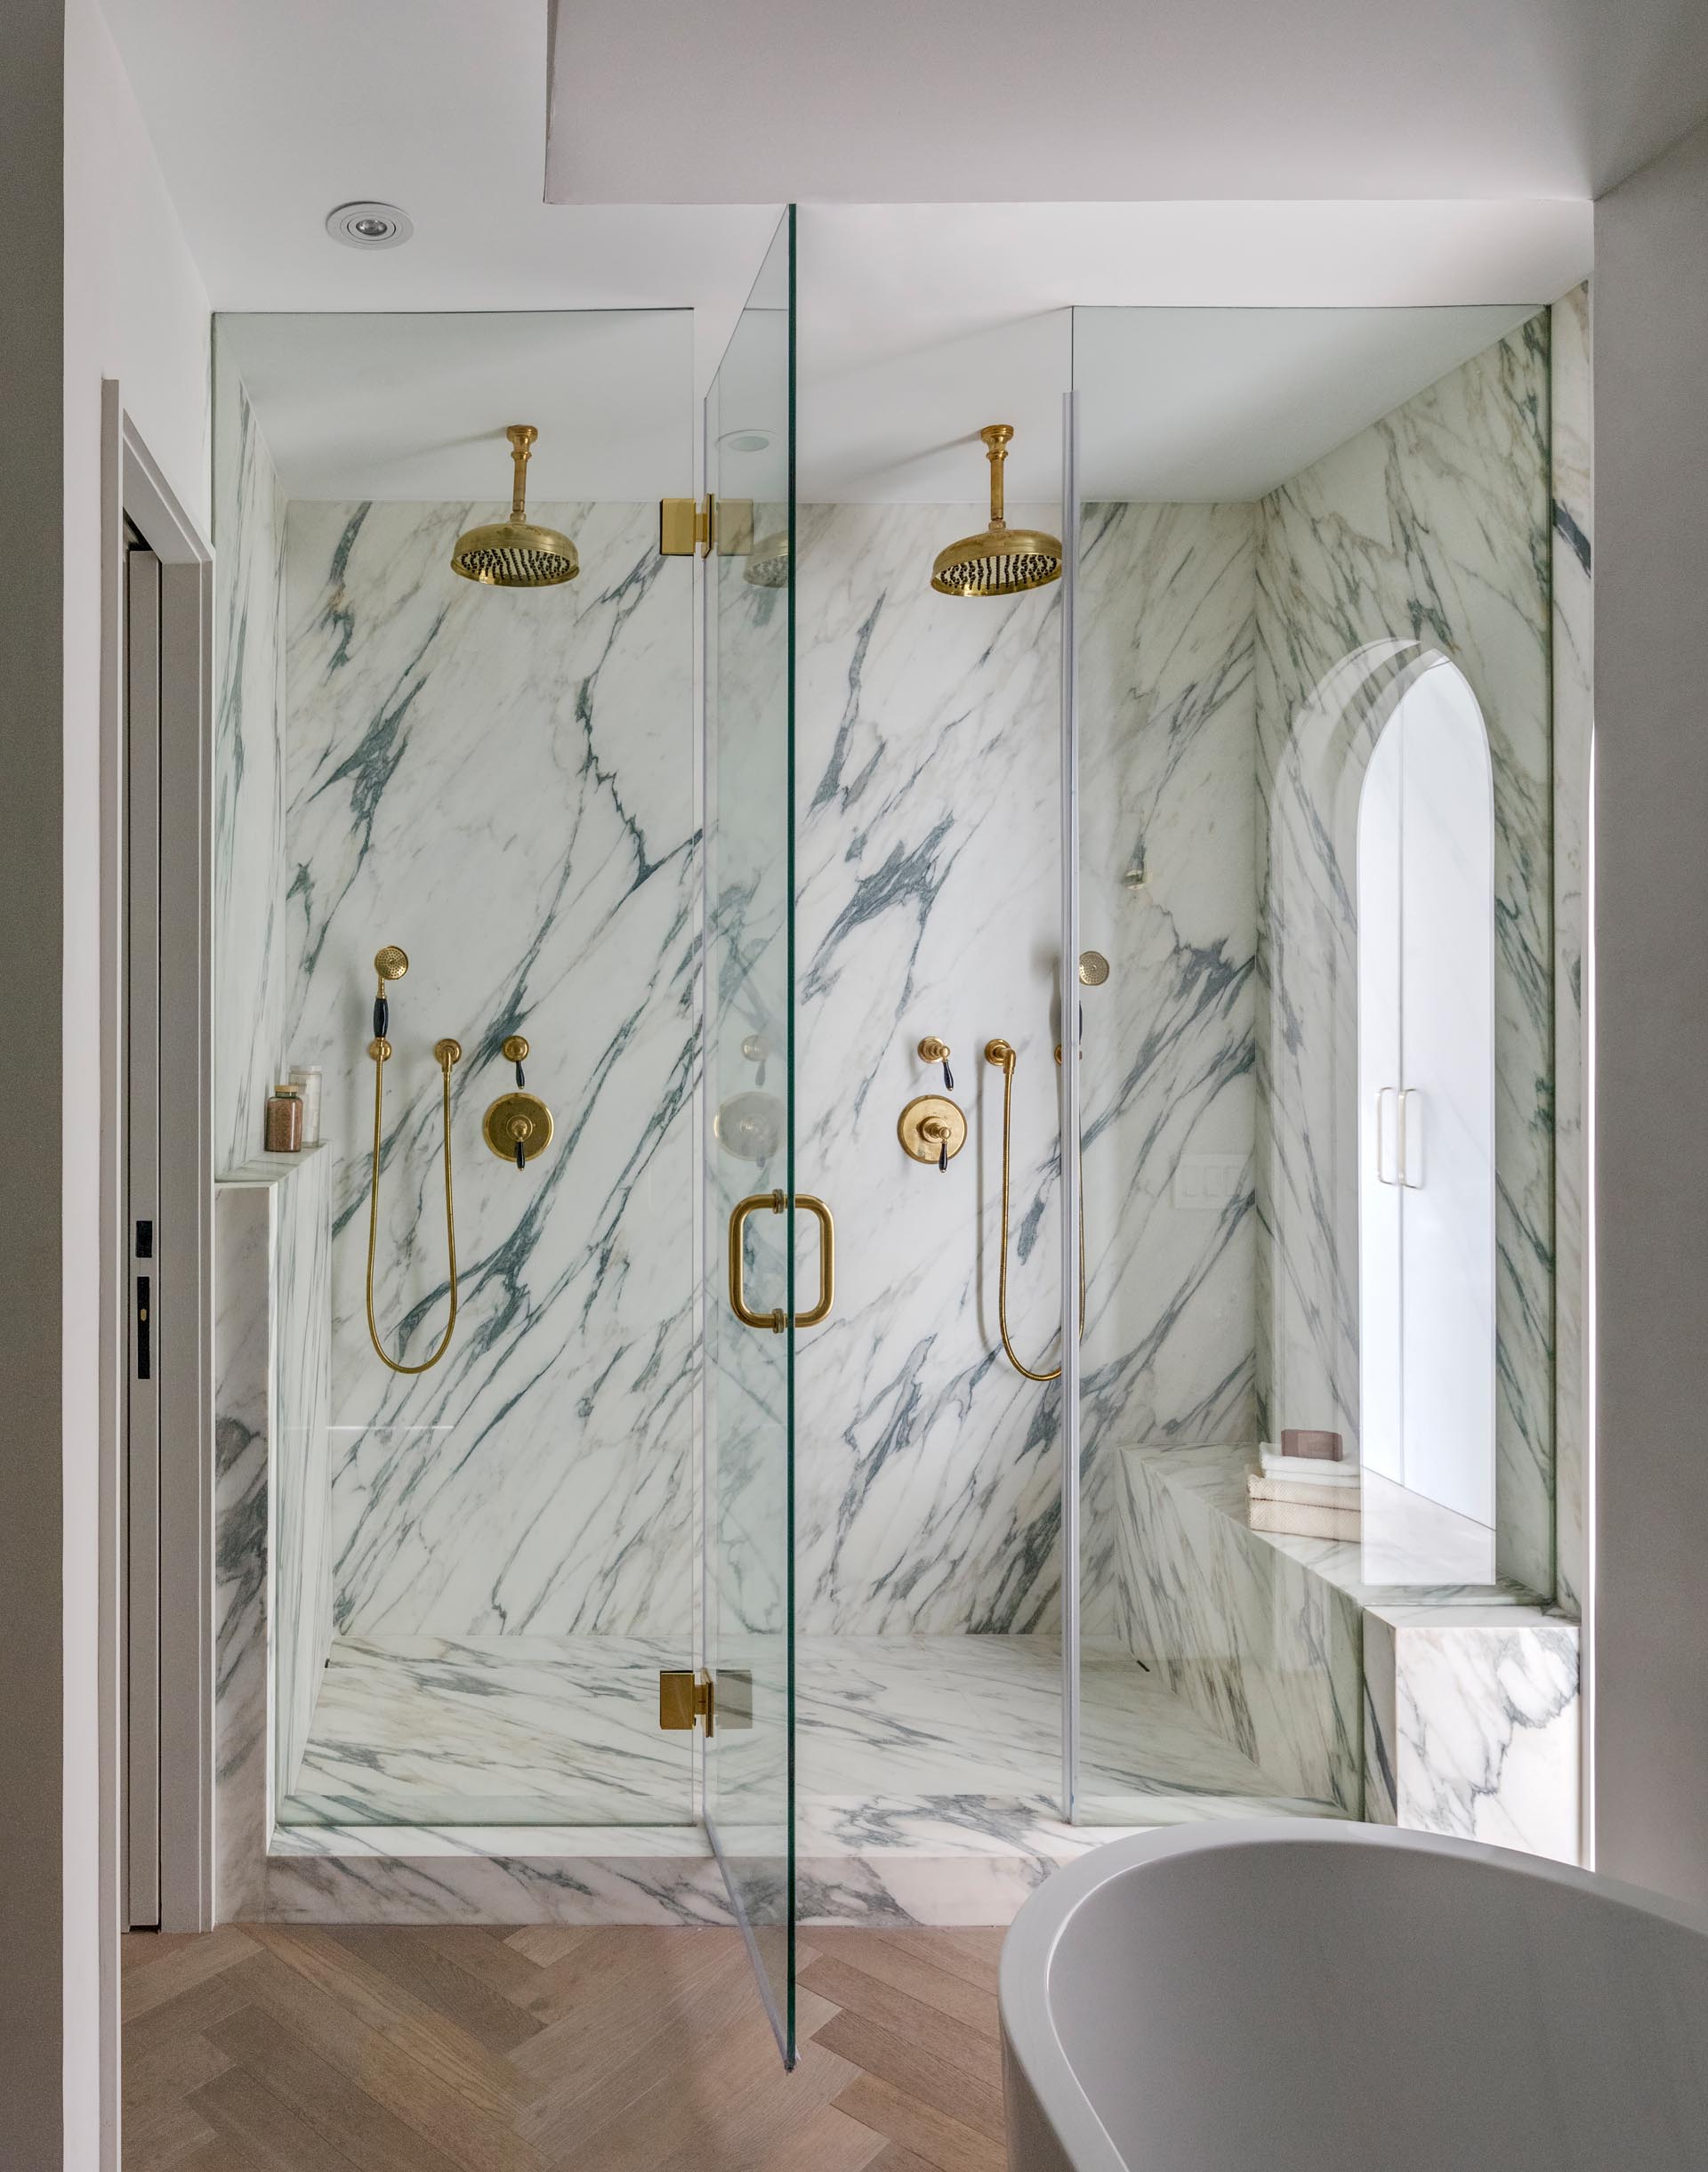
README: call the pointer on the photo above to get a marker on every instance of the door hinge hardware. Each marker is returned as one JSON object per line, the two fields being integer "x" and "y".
{"x": 686, "y": 1699}
{"x": 686, "y": 526}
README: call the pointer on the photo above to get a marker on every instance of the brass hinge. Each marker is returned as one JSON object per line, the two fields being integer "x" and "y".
{"x": 686, "y": 527}
{"x": 688, "y": 1697}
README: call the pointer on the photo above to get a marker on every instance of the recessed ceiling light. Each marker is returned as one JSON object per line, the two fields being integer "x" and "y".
{"x": 370, "y": 226}
{"x": 744, "y": 440}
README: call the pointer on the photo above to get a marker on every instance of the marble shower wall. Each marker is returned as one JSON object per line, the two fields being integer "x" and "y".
{"x": 1426, "y": 534}
{"x": 503, "y": 782}
{"x": 927, "y": 1471}
{"x": 928, "y": 881}
{"x": 1168, "y": 892}
{"x": 249, "y": 875}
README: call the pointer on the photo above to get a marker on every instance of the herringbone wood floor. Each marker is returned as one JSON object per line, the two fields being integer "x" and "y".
{"x": 269, "y": 2049}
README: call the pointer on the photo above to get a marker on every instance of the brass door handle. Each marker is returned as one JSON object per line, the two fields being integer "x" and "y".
{"x": 821, "y": 1215}
{"x": 774, "y": 1202}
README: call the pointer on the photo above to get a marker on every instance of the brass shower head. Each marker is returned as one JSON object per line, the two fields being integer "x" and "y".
{"x": 514, "y": 553}
{"x": 391, "y": 963}
{"x": 1003, "y": 561}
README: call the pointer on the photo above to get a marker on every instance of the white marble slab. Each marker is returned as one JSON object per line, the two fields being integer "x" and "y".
{"x": 503, "y": 782}
{"x": 1168, "y": 758}
{"x": 1473, "y": 1725}
{"x": 928, "y": 881}
{"x": 929, "y": 1772}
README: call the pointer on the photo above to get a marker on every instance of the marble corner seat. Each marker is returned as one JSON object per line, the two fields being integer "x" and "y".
{"x": 1398, "y": 1678}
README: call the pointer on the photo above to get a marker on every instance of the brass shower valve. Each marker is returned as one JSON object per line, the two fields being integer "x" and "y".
{"x": 932, "y": 1128}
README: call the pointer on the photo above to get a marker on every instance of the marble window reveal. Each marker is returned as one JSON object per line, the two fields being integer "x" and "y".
{"x": 503, "y": 782}
{"x": 249, "y": 875}
{"x": 1426, "y": 534}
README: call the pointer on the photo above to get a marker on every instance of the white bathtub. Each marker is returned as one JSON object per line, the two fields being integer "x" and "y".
{"x": 1300, "y": 1995}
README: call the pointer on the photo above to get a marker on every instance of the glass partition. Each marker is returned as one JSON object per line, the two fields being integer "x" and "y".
{"x": 1310, "y": 730}
{"x": 749, "y": 1185}
{"x": 465, "y": 1565}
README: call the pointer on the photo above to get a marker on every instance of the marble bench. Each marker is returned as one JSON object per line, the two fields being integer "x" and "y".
{"x": 1399, "y": 1678}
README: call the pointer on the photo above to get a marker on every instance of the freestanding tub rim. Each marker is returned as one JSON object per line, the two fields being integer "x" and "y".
{"x": 1029, "y": 2034}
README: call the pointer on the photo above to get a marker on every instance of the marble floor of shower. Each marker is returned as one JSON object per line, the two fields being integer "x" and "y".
{"x": 955, "y": 1733}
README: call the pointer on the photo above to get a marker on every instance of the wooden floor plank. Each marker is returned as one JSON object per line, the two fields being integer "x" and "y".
{"x": 493, "y": 1960}
{"x": 158, "y": 2132}
{"x": 442, "y": 1981}
{"x": 919, "y": 2071}
{"x": 845, "y": 1987}
{"x": 191, "y": 2013}
{"x": 485, "y": 2080}
{"x": 263, "y": 2128}
{"x": 183, "y": 1968}
{"x": 417, "y": 2095}
{"x": 459, "y": 2048}
{"x": 908, "y": 1967}
{"x": 944, "y": 2143}
{"x": 323, "y": 2097}
{"x": 828, "y": 2142}
{"x": 218, "y": 2155}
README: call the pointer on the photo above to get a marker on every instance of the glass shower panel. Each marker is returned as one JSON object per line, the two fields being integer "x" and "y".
{"x": 1293, "y": 524}
{"x": 466, "y": 1575}
{"x": 751, "y": 1307}
{"x": 1201, "y": 1691}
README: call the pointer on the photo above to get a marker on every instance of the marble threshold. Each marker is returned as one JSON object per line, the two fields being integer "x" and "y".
{"x": 522, "y": 1779}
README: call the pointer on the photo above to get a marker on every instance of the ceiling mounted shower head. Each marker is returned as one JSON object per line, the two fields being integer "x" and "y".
{"x": 514, "y": 553}
{"x": 1003, "y": 561}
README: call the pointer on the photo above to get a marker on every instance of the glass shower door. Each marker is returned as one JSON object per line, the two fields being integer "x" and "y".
{"x": 749, "y": 1151}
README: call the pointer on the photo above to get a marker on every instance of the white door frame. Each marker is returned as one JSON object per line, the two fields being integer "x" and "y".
{"x": 133, "y": 488}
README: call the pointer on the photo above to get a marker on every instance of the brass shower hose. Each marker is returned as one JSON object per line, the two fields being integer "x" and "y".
{"x": 1002, "y": 1054}
{"x": 447, "y": 1051}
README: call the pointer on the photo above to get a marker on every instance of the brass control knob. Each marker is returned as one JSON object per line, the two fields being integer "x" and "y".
{"x": 517, "y": 1123}
{"x": 932, "y": 1128}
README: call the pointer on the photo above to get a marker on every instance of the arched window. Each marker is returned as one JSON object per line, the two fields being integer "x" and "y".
{"x": 1426, "y": 1098}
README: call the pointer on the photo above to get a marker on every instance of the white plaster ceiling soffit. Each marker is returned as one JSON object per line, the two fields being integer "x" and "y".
{"x": 888, "y": 101}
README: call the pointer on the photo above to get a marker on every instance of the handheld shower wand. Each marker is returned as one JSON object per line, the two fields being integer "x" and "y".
{"x": 391, "y": 964}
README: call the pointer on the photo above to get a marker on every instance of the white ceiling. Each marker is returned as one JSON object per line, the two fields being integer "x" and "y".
{"x": 265, "y": 114}
{"x": 415, "y": 407}
{"x": 889, "y": 100}
{"x": 918, "y": 320}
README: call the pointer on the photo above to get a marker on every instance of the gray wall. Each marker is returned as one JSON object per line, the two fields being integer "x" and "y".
{"x": 1651, "y": 1030}
{"x": 31, "y": 852}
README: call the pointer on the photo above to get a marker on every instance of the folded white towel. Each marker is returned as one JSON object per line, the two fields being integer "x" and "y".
{"x": 1294, "y": 1520}
{"x": 1316, "y": 1470}
{"x": 1306, "y": 1496}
